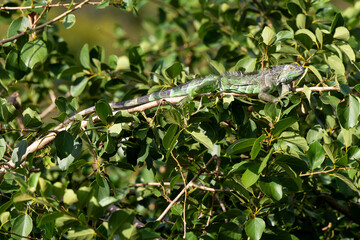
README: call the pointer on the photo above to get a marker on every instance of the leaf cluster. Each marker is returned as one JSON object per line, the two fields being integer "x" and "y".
{"x": 229, "y": 167}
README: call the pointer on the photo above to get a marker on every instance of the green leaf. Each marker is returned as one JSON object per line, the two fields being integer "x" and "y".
{"x": 295, "y": 139}
{"x": 247, "y": 63}
{"x": 282, "y": 125}
{"x": 272, "y": 188}
{"x": 293, "y": 8}
{"x": 336, "y": 63}
{"x": 347, "y": 181}
{"x": 2, "y": 147}
{"x": 34, "y": 52}
{"x": 284, "y": 35}
{"x": 19, "y": 151}
{"x": 78, "y": 86}
{"x": 319, "y": 36}
{"x": 217, "y": 66}
{"x": 174, "y": 70}
{"x": 18, "y": 26}
{"x": 65, "y": 162}
{"x": 230, "y": 231}
{"x": 348, "y": 112}
{"x": 304, "y": 40}
{"x": 85, "y": 56}
{"x": 301, "y": 21}
{"x": 169, "y": 139}
{"x": 240, "y": 146}
{"x": 257, "y": 146}
{"x": 337, "y": 22}
{"x": 316, "y": 155}
{"x": 316, "y": 72}
{"x": 22, "y": 226}
{"x": 69, "y": 21}
{"x": 103, "y": 110}
{"x": 203, "y": 139}
{"x": 172, "y": 116}
{"x": 110, "y": 144}
{"x": 306, "y": 32}
{"x": 121, "y": 224}
{"x": 64, "y": 144}
{"x": 33, "y": 181}
{"x": 268, "y": 35}
{"x": 342, "y": 33}
{"x": 347, "y": 49}
{"x": 31, "y": 119}
{"x": 251, "y": 175}
{"x": 49, "y": 218}
{"x": 81, "y": 233}
{"x": 7, "y": 111}
{"x": 115, "y": 130}
{"x": 70, "y": 197}
{"x": 254, "y": 228}
{"x": 102, "y": 5}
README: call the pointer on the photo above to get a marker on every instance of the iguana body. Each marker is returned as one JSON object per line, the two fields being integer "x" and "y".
{"x": 262, "y": 83}
{"x": 278, "y": 78}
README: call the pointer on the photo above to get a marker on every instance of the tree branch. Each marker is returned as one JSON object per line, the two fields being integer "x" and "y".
{"x": 45, "y": 24}
{"x": 42, "y": 6}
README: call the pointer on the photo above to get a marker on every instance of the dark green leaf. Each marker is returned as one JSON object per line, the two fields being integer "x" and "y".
{"x": 103, "y": 110}
{"x": 169, "y": 139}
{"x": 174, "y": 70}
{"x": 19, "y": 151}
{"x": 7, "y": 111}
{"x": 240, "y": 146}
{"x": 282, "y": 125}
{"x": 31, "y": 119}
{"x": 64, "y": 144}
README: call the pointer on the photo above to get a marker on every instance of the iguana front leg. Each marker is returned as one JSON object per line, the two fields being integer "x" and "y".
{"x": 263, "y": 95}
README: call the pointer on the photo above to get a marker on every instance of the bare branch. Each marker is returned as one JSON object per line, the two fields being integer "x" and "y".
{"x": 318, "y": 89}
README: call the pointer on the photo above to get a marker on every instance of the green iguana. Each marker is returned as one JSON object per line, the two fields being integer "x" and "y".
{"x": 277, "y": 78}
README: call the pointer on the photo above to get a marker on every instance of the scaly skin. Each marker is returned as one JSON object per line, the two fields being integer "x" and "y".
{"x": 263, "y": 83}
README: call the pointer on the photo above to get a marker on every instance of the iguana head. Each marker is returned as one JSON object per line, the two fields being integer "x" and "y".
{"x": 288, "y": 73}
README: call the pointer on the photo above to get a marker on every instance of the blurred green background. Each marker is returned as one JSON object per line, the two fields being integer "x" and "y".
{"x": 105, "y": 27}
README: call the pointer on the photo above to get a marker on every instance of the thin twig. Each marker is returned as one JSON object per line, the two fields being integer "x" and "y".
{"x": 42, "y": 6}
{"x": 324, "y": 171}
{"x": 51, "y": 106}
{"x": 194, "y": 185}
{"x": 163, "y": 214}
{"x": 185, "y": 198}
{"x": 45, "y": 24}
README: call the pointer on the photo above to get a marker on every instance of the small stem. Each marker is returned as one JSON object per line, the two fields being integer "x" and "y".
{"x": 162, "y": 216}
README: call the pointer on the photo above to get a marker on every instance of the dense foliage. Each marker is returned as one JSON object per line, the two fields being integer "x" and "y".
{"x": 219, "y": 166}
